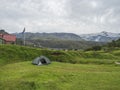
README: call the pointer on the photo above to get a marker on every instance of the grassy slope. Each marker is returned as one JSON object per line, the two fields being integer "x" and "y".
{"x": 17, "y": 72}
{"x": 10, "y": 54}
{"x": 59, "y": 76}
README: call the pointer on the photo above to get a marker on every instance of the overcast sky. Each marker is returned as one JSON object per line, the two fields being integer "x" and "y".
{"x": 74, "y": 16}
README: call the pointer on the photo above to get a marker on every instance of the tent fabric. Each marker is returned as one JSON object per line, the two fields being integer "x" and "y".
{"x": 41, "y": 60}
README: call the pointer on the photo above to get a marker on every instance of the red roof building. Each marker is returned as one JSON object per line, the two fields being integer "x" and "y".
{"x": 8, "y": 38}
{"x": 0, "y": 35}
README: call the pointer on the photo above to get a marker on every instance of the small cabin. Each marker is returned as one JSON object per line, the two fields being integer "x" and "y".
{"x": 7, "y": 39}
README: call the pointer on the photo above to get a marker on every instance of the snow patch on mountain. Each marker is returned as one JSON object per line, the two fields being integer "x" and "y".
{"x": 101, "y": 37}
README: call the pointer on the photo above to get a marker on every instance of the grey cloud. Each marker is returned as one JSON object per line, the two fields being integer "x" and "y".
{"x": 77, "y": 16}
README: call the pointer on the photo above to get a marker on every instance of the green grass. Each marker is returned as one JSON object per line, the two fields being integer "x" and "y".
{"x": 59, "y": 76}
{"x": 14, "y": 53}
{"x": 70, "y": 70}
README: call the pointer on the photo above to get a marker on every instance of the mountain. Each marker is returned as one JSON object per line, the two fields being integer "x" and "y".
{"x": 101, "y": 37}
{"x": 50, "y": 36}
{"x": 55, "y": 40}
{"x": 97, "y": 37}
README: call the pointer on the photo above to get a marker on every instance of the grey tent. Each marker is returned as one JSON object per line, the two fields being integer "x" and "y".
{"x": 41, "y": 60}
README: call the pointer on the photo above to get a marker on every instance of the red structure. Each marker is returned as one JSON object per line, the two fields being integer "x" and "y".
{"x": 0, "y": 35}
{"x": 8, "y": 38}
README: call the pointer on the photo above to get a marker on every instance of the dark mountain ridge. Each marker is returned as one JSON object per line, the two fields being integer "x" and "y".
{"x": 50, "y": 36}
{"x": 56, "y": 40}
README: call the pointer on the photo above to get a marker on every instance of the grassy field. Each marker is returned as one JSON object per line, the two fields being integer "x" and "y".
{"x": 78, "y": 70}
{"x": 59, "y": 76}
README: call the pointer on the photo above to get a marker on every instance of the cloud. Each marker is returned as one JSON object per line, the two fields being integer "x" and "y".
{"x": 76, "y": 16}
{"x": 94, "y": 4}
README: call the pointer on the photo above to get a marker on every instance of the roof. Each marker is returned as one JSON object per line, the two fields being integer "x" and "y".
{"x": 8, "y": 37}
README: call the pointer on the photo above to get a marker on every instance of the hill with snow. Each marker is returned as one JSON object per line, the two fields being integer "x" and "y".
{"x": 101, "y": 37}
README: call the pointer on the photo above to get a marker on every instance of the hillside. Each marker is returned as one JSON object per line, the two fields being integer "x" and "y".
{"x": 63, "y": 44}
{"x": 55, "y": 40}
{"x": 50, "y": 36}
{"x": 114, "y": 43}
{"x": 13, "y": 53}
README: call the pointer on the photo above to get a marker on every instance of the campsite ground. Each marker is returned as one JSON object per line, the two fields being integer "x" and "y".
{"x": 59, "y": 76}
{"x": 70, "y": 70}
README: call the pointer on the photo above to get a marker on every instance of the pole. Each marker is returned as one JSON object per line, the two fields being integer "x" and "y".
{"x": 24, "y": 39}
{"x": 23, "y": 36}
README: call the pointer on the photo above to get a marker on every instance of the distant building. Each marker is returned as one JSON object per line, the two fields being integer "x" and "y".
{"x": 7, "y": 39}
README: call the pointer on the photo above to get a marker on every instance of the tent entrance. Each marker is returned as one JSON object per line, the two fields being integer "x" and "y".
{"x": 43, "y": 61}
